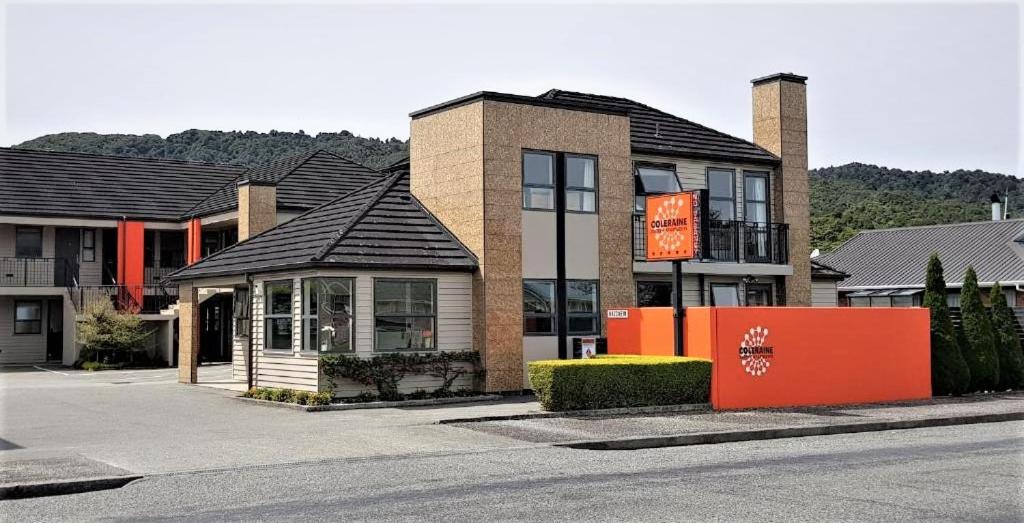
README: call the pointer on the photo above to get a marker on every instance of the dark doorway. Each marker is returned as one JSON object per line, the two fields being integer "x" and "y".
{"x": 759, "y": 295}
{"x": 215, "y": 329}
{"x": 67, "y": 243}
{"x": 109, "y": 256}
{"x": 55, "y": 330}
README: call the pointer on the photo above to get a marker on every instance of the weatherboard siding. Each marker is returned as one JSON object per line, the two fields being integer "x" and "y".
{"x": 824, "y": 294}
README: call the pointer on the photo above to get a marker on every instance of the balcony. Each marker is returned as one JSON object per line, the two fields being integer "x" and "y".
{"x": 125, "y": 298}
{"x": 37, "y": 272}
{"x": 730, "y": 241}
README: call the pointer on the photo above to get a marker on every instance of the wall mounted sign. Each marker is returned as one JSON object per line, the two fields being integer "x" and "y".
{"x": 618, "y": 314}
{"x": 589, "y": 348}
{"x": 755, "y": 354}
{"x": 671, "y": 226}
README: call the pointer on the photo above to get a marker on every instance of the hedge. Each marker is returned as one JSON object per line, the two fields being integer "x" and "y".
{"x": 620, "y": 381}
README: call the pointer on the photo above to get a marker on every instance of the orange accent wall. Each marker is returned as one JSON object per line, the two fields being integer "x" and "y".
{"x": 130, "y": 247}
{"x": 194, "y": 241}
{"x": 803, "y": 356}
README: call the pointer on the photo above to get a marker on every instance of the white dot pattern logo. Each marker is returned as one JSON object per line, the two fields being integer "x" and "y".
{"x": 755, "y": 355}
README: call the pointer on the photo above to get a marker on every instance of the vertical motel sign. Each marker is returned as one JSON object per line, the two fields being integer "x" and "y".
{"x": 673, "y": 234}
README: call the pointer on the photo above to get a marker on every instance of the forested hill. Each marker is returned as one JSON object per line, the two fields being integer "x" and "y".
{"x": 230, "y": 147}
{"x": 855, "y": 196}
{"x": 844, "y": 199}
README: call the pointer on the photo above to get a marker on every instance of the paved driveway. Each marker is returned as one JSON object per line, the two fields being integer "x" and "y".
{"x": 145, "y": 422}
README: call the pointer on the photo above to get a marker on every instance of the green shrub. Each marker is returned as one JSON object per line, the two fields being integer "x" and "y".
{"x": 980, "y": 352}
{"x": 1011, "y": 359}
{"x": 385, "y": 371}
{"x": 320, "y": 398}
{"x": 950, "y": 374}
{"x": 104, "y": 329}
{"x": 301, "y": 397}
{"x": 609, "y": 382}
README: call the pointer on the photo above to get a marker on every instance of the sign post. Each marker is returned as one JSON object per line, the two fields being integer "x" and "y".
{"x": 673, "y": 232}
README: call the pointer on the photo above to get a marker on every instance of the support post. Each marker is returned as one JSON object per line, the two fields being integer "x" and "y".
{"x": 678, "y": 310}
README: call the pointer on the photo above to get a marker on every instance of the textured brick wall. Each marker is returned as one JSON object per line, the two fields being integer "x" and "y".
{"x": 188, "y": 334}
{"x": 257, "y": 209}
{"x": 780, "y": 126}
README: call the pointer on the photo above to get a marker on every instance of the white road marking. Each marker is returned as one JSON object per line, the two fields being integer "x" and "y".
{"x": 50, "y": 370}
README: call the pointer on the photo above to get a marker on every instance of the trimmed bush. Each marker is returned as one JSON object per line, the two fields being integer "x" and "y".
{"x": 1011, "y": 359}
{"x": 980, "y": 352}
{"x": 950, "y": 374}
{"x": 610, "y": 382}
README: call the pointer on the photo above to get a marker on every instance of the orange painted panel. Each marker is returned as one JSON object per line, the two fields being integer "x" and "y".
{"x": 647, "y": 331}
{"x": 789, "y": 356}
{"x": 670, "y": 227}
{"x": 130, "y": 270}
{"x": 194, "y": 241}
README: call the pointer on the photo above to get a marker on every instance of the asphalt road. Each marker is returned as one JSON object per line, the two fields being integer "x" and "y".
{"x": 963, "y": 473}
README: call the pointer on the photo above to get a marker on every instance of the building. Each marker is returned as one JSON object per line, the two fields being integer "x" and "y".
{"x": 520, "y": 228}
{"x": 887, "y": 267}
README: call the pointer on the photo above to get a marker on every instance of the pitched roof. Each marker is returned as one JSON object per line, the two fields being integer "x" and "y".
{"x": 51, "y": 183}
{"x": 656, "y": 132}
{"x": 379, "y": 225}
{"x": 898, "y": 257}
{"x": 822, "y": 271}
{"x": 303, "y": 181}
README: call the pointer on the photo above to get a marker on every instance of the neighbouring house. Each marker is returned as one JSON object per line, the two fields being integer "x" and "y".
{"x": 825, "y": 284}
{"x": 514, "y": 225}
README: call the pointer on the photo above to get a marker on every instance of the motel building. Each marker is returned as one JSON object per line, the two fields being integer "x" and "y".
{"x": 516, "y": 224}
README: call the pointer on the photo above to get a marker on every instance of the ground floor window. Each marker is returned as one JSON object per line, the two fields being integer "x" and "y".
{"x": 758, "y": 295}
{"x": 277, "y": 315}
{"x": 582, "y": 307}
{"x": 887, "y": 298}
{"x": 725, "y": 295}
{"x": 539, "y": 307}
{"x": 653, "y": 294}
{"x": 28, "y": 317}
{"x": 327, "y": 314}
{"x": 404, "y": 314}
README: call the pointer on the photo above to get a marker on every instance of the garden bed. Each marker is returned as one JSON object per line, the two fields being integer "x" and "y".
{"x": 341, "y": 405}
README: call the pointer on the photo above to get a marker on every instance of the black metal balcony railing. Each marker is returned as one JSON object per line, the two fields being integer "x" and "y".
{"x": 37, "y": 272}
{"x": 730, "y": 241}
{"x": 136, "y": 299}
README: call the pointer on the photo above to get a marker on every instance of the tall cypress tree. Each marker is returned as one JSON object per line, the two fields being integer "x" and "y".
{"x": 1004, "y": 327}
{"x": 950, "y": 374}
{"x": 980, "y": 351}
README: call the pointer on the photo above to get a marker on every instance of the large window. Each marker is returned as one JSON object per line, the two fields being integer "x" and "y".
{"x": 582, "y": 307}
{"x": 327, "y": 314}
{"x": 722, "y": 194}
{"x": 725, "y": 295}
{"x": 89, "y": 245}
{"x": 28, "y": 242}
{"x": 404, "y": 315}
{"x": 539, "y": 307}
{"x": 538, "y": 180}
{"x": 28, "y": 317}
{"x": 653, "y": 294}
{"x": 653, "y": 179}
{"x": 277, "y": 315}
{"x": 580, "y": 183}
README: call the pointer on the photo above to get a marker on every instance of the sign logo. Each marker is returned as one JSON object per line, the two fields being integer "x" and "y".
{"x": 755, "y": 355}
{"x": 671, "y": 229}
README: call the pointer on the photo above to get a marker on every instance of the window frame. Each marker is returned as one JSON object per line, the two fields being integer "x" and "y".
{"x": 573, "y": 188}
{"x": 638, "y": 181}
{"x": 732, "y": 183}
{"x": 268, "y": 316}
{"x": 711, "y": 293}
{"x": 652, "y": 282}
{"x": 432, "y": 281}
{"x": 554, "y": 182}
{"x": 596, "y": 315}
{"x": 767, "y": 195}
{"x": 18, "y": 229}
{"x": 89, "y": 251}
{"x": 554, "y": 308}
{"x": 39, "y": 321}
{"x": 305, "y": 316}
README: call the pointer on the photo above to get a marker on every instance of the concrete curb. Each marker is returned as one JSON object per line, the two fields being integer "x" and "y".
{"x": 429, "y": 402}
{"x": 623, "y": 411}
{"x": 711, "y": 438}
{"x": 59, "y": 488}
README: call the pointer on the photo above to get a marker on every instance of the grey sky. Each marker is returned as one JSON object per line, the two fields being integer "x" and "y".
{"x": 912, "y": 86}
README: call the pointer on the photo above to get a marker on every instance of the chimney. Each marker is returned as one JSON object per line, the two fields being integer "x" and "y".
{"x": 997, "y": 208}
{"x": 780, "y": 126}
{"x": 257, "y": 207}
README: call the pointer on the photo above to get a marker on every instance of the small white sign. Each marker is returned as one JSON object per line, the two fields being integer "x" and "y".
{"x": 588, "y": 348}
{"x": 618, "y": 314}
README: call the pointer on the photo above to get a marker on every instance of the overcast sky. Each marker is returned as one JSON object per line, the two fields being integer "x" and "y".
{"x": 913, "y": 86}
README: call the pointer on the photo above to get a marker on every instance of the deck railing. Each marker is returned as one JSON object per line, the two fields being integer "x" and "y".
{"x": 730, "y": 241}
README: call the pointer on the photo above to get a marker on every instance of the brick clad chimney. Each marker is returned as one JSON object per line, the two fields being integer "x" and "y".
{"x": 780, "y": 126}
{"x": 257, "y": 208}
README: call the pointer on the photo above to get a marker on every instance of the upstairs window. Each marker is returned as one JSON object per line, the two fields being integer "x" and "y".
{"x": 580, "y": 183}
{"x": 538, "y": 181}
{"x": 653, "y": 179}
{"x": 89, "y": 245}
{"x": 28, "y": 242}
{"x": 722, "y": 194}
{"x": 755, "y": 196}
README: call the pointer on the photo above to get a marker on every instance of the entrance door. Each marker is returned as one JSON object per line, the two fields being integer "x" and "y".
{"x": 55, "y": 330}
{"x": 215, "y": 329}
{"x": 65, "y": 253}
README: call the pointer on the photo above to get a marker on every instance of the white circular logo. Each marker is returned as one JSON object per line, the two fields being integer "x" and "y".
{"x": 755, "y": 354}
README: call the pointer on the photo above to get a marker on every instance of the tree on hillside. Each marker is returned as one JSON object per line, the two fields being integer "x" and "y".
{"x": 980, "y": 352}
{"x": 950, "y": 374}
{"x": 1004, "y": 328}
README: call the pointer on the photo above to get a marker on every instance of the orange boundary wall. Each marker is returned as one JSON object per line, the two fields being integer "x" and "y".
{"x": 800, "y": 356}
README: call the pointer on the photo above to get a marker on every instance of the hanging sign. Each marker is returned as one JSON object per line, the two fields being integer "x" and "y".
{"x": 671, "y": 226}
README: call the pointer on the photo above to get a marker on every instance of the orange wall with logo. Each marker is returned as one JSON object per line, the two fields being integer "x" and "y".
{"x": 819, "y": 356}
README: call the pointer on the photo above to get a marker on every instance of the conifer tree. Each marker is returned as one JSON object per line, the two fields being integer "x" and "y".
{"x": 950, "y": 374}
{"x": 1004, "y": 328}
{"x": 980, "y": 352}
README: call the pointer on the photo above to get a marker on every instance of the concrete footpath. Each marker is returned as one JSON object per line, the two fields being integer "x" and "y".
{"x": 626, "y": 432}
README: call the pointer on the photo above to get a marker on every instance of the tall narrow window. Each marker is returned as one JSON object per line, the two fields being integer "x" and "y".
{"x": 755, "y": 196}
{"x": 539, "y": 307}
{"x": 28, "y": 242}
{"x": 722, "y": 194}
{"x": 582, "y": 308}
{"x": 28, "y": 317}
{"x": 653, "y": 179}
{"x": 327, "y": 314}
{"x": 89, "y": 245}
{"x": 580, "y": 183}
{"x": 277, "y": 315}
{"x": 404, "y": 315}
{"x": 538, "y": 180}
